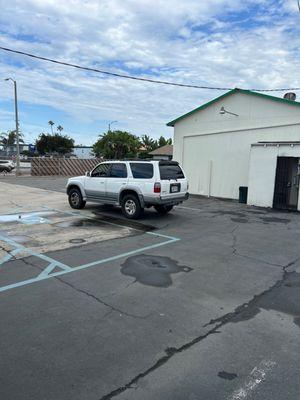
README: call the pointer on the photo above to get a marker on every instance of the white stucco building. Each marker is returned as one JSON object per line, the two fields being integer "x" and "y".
{"x": 83, "y": 152}
{"x": 219, "y": 146}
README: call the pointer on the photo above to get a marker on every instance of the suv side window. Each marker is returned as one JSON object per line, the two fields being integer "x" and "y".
{"x": 142, "y": 170}
{"x": 118, "y": 170}
{"x": 101, "y": 171}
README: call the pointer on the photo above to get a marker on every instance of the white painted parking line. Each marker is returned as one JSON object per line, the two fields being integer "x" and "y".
{"x": 256, "y": 377}
{"x": 65, "y": 269}
{"x": 190, "y": 208}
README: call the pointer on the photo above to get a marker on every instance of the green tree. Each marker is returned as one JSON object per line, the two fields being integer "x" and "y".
{"x": 60, "y": 128}
{"x": 117, "y": 145}
{"x": 10, "y": 138}
{"x": 162, "y": 141}
{"x": 46, "y": 143}
{"x": 148, "y": 143}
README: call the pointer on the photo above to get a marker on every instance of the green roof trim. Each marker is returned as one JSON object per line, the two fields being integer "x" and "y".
{"x": 236, "y": 90}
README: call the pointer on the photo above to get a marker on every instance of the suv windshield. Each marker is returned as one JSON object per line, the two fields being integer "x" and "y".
{"x": 170, "y": 171}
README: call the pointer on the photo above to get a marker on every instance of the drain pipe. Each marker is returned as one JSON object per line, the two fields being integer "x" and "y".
{"x": 210, "y": 166}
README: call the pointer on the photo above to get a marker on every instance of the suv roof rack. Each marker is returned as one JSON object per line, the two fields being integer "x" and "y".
{"x": 137, "y": 159}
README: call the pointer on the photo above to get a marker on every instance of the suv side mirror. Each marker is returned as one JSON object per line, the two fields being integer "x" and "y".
{"x": 87, "y": 173}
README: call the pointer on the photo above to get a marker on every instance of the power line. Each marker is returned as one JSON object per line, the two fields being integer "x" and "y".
{"x": 111, "y": 73}
{"x": 135, "y": 77}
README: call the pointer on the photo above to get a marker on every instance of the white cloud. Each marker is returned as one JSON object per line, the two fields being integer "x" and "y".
{"x": 184, "y": 41}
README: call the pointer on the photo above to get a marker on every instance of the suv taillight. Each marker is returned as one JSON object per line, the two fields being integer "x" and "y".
{"x": 157, "y": 187}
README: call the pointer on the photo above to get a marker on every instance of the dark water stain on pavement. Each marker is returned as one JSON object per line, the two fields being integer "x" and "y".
{"x": 152, "y": 270}
{"x": 255, "y": 212}
{"x": 284, "y": 297}
{"x": 85, "y": 223}
{"x": 124, "y": 222}
{"x": 240, "y": 220}
{"x": 231, "y": 213}
{"x": 227, "y": 375}
{"x": 275, "y": 220}
{"x": 22, "y": 239}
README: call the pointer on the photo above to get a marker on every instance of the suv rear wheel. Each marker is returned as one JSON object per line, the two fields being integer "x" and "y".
{"x": 75, "y": 199}
{"x": 131, "y": 206}
{"x": 162, "y": 210}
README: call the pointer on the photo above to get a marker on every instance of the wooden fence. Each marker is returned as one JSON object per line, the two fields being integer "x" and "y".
{"x": 62, "y": 166}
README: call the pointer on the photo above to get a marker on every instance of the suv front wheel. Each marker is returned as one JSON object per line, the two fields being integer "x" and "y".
{"x": 75, "y": 199}
{"x": 131, "y": 206}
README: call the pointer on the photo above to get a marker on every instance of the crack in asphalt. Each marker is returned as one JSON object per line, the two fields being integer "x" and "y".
{"x": 218, "y": 323}
{"x": 235, "y": 251}
{"x": 13, "y": 257}
{"x": 112, "y": 308}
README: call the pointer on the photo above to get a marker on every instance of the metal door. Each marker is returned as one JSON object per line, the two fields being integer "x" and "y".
{"x": 285, "y": 183}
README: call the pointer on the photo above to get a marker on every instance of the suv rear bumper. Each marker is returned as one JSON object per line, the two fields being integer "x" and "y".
{"x": 166, "y": 200}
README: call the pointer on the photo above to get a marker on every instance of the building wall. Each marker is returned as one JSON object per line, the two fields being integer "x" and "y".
{"x": 83, "y": 152}
{"x": 214, "y": 149}
{"x": 262, "y": 172}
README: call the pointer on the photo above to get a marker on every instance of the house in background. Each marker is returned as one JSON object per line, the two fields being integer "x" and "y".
{"x": 83, "y": 152}
{"x": 162, "y": 153}
{"x": 12, "y": 150}
{"x": 242, "y": 139}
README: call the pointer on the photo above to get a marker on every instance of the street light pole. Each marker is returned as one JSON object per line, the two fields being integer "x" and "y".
{"x": 112, "y": 122}
{"x": 17, "y": 125}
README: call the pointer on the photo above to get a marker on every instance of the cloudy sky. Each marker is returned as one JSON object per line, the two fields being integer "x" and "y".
{"x": 231, "y": 43}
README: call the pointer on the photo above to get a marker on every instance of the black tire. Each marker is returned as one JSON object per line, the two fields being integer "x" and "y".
{"x": 131, "y": 207}
{"x": 75, "y": 199}
{"x": 162, "y": 210}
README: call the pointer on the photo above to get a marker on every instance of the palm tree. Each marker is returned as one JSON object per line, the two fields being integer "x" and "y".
{"x": 162, "y": 141}
{"x": 3, "y": 139}
{"x": 9, "y": 139}
{"x": 148, "y": 143}
{"x": 59, "y": 128}
{"x": 51, "y": 123}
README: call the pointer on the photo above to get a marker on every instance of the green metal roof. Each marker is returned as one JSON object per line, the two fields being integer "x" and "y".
{"x": 236, "y": 90}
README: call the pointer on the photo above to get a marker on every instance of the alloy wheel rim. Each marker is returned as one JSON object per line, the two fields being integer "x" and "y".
{"x": 130, "y": 207}
{"x": 75, "y": 199}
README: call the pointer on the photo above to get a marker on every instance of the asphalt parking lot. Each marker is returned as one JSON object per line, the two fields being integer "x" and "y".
{"x": 202, "y": 303}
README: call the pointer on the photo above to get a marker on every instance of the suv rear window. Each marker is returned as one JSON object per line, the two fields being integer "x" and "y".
{"x": 142, "y": 170}
{"x": 170, "y": 171}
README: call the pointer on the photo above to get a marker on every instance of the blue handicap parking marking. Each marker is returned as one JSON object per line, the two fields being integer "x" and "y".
{"x": 53, "y": 265}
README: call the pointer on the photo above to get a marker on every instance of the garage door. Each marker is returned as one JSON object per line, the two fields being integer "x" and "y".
{"x": 216, "y": 164}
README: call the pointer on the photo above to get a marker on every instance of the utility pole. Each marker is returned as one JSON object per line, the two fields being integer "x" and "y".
{"x": 17, "y": 125}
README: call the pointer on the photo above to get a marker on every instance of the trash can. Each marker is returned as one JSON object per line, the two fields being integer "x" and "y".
{"x": 243, "y": 194}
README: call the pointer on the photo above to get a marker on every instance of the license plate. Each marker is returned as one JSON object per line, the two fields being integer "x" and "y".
{"x": 174, "y": 188}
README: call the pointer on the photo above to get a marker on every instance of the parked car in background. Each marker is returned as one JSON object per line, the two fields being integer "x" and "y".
{"x": 133, "y": 185}
{"x": 6, "y": 165}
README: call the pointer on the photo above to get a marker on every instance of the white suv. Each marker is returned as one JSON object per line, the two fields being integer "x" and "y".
{"x": 6, "y": 165}
{"x": 133, "y": 185}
